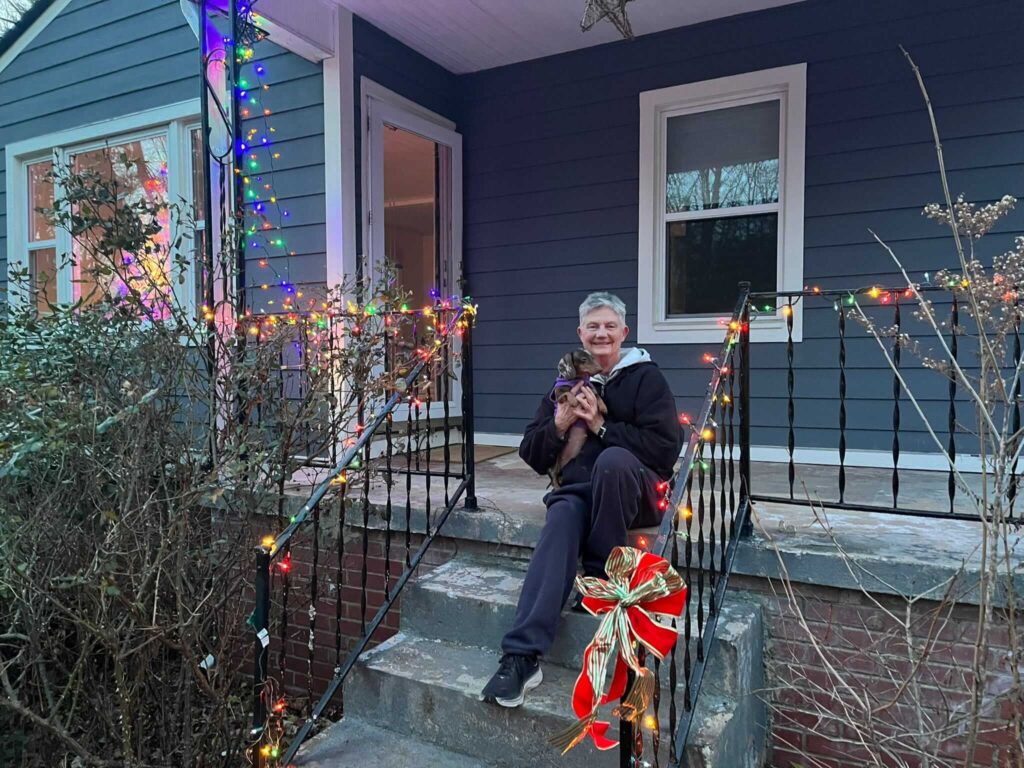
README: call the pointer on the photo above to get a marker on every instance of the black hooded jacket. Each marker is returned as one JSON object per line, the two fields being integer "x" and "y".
{"x": 641, "y": 418}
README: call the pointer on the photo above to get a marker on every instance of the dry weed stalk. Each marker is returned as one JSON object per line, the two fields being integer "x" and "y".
{"x": 898, "y": 694}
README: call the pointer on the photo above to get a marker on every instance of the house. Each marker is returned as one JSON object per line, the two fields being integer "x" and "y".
{"x": 497, "y": 150}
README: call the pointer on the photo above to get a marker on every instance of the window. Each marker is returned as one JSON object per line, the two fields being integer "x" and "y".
{"x": 152, "y": 156}
{"x": 140, "y": 169}
{"x": 721, "y": 200}
{"x": 42, "y": 241}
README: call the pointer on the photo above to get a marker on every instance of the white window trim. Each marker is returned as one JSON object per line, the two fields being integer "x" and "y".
{"x": 174, "y": 119}
{"x": 789, "y": 85}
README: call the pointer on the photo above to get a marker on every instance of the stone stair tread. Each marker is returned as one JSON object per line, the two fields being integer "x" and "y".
{"x": 473, "y": 599}
{"x": 353, "y": 741}
{"x": 500, "y": 581}
{"x": 465, "y": 669}
{"x": 450, "y": 676}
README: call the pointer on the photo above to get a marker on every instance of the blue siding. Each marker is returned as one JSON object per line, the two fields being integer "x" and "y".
{"x": 551, "y": 158}
{"x": 296, "y": 101}
{"x": 381, "y": 58}
{"x": 101, "y": 59}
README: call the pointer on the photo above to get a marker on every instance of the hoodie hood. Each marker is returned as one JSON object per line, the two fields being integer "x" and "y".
{"x": 630, "y": 357}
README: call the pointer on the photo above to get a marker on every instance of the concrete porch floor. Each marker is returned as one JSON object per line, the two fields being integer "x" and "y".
{"x": 511, "y": 513}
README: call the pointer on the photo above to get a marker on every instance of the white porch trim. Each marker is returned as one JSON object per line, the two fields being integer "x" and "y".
{"x": 340, "y": 153}
{"x": 31, "y": 33}
{"x": 306, "y": 29}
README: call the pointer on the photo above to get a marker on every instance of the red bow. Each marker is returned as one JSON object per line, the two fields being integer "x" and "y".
{"x": 640, "y": 585}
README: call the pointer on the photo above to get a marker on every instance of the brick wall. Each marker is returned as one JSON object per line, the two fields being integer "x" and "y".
{"x": 827, "y": 636}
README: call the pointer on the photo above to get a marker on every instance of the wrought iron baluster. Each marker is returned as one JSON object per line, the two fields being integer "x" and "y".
{"x": 896, "y": 350}
{"x": 673, "y": 669}
{"x": 446, "y": 422}
{"x": 637, "y": 726}
{"x": 719, "y": 440}
{"x": 688, "y": 614}
{"x": 791, "y": 407}
{"x": 730, "y": 436}
{"x": 413, "y": 398}
{"x": 842, "y": 404}
{"x": 365, "y": 502}
{"x": 430, "y": 372}
{"x": 419, "y": 387}
{"x": 305, "y": 388}
{"x": 655, "y": 713}
{"x": 261, "y": 628}
{"x": 284, "y": 567}
{"x": 709, "y": 444}
{"x": 954, "y": 321}
{"x": 388, "y": 479}
{"x": 744, "y": 407}
{"x": 313, "y": 597}
{"x": 339, "y": 576}
{"x": 468, "y": 410}
{"x": 700, "y": 554}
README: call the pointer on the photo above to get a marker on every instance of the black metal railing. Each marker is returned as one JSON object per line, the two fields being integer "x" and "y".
{"x": 818, "y": 391}
{"x": 708, "y": 507}
{"x": 381, "y": 466}
{"x": 708, "y": 511}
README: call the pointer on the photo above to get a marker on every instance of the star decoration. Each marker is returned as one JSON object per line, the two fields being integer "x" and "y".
{"x": 613, "y": 10}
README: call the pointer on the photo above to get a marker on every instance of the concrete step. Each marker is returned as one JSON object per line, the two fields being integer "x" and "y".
{"x": 428, "y": 689}
{"x": 354, "y": 742}
{"x": 473, "y": 601}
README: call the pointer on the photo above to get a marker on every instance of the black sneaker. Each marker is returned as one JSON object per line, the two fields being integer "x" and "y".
{"x": 576, "y": 604}
{"x": 515, "y": 676}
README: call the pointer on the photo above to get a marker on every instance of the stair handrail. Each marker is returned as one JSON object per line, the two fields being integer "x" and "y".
{"x": 737, "y": 335}
{"x": 271, "y": 547}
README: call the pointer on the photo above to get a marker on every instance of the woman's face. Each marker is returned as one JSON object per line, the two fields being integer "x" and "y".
{"x": 602, "y": 333}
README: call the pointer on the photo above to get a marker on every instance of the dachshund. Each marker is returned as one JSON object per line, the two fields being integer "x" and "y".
{"x": 575, "y": 367}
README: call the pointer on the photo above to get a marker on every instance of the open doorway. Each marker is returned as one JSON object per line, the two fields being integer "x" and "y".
{"x": 413, "y": 205}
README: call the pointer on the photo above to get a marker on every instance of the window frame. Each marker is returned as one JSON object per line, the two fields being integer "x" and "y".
{"x": 788, "y": 86}
{"x": 174, "y": 120}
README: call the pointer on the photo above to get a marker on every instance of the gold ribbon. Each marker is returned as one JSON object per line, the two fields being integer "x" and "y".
{"x": 640, "y": 587}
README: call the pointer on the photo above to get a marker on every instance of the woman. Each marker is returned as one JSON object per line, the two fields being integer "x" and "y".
{"x": 606, "y": 489}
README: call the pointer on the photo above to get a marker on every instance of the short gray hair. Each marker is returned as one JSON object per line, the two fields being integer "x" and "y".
{"x": 603, "y": 299}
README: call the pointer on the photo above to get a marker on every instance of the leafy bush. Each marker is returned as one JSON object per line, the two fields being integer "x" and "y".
{"x": 123, "y": 419}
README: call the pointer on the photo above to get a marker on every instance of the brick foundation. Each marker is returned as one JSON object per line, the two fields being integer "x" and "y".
{"x": 854, "y": 640}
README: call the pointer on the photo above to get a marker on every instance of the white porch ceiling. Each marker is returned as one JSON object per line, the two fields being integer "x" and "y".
{"x": 470, "y": 35}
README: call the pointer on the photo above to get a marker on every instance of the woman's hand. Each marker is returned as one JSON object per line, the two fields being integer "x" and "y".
{"x": 587, "y": 410}
{"x": 565, "y": 416}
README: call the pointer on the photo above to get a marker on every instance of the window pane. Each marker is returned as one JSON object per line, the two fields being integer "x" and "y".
{"x": 42, "y": 264}
{"x": 140, "y": 170}
{"x": 40, "y": 195}
{"x": 198, "y": 186}
{"x": 723, "y": 158}
{"x": 708, "y": 257}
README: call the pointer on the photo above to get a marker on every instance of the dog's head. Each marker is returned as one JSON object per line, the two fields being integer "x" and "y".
{"x": 577, "y": 364}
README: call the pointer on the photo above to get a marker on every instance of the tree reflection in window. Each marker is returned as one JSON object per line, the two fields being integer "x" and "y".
{"x": 140, "y": 170}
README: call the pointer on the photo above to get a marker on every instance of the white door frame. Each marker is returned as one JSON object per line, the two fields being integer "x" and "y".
{"x": 379, "y": 106}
